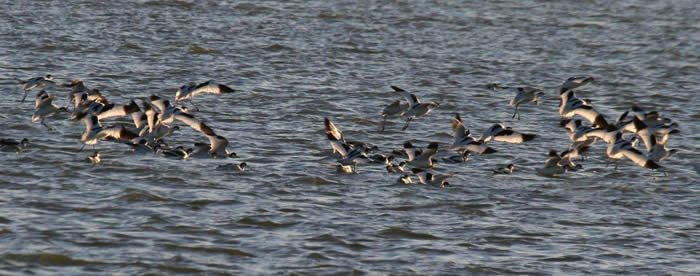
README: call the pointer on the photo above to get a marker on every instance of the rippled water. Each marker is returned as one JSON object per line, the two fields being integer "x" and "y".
{"x": 294, "y": 63}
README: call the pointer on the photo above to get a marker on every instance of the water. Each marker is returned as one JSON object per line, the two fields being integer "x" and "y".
{"x": 294, "y": 63}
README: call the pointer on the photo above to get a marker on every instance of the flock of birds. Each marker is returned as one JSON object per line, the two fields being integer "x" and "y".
{"x": 583, "y": 125}
{"x": 153, "y": 121}
{"x": 155, "y": 118}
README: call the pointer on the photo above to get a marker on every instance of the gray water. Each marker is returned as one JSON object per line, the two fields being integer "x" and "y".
{"x": 293, "y": 63}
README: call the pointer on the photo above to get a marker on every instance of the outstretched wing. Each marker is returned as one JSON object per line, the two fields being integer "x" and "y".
{"x": 194, "y": 123}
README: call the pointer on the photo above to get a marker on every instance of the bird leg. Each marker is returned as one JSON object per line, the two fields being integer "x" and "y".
{"x": 47, "y": 126}
{"x": 81, "y": 148}
{"x": 516, "y": 112}
{"x": 407, "y": 122}
{"x": 383, "y": 122}
{"x": 25, "y": 96}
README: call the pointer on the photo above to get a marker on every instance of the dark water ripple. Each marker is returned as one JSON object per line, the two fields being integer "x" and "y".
{"x": 294, "y": 63}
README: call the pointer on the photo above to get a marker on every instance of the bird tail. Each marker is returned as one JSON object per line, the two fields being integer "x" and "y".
{"x": 528, "y": 137}
{"x": 651, "y": 165}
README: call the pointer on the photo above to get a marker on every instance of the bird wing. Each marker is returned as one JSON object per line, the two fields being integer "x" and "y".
{"x": 158, "y": 103}
{"x": 217, "y": 143}
{"x": 119, "y": 110}
{"x": 210, "y": 87}
{"x": 332, "y": 130}
{"x": 412, "y": 99}
{"x": 635, "y": 156}
{"x": 119, "y": 133}
{"x": 194, "y": 123}
{"x": 458, "y": 129}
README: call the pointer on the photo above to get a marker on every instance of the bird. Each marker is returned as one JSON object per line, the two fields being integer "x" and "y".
{"x": 606, "y": 134}
{"x": 501, "y": 133}
{"x": 620, "y": 148}
{"x": 394, "y": 168}
{"x": 395, "y": 108}
{"x": 166, "y": 110}
{"x": 188, "y": 91}
{"x": 193, "y": 122}
{"x": 217, "y": 147}
{"x": 464, "y": 142}
{"x": 354, "y": 157}
{"x": 117, "y": 110}
{"x": 651, "y": 118}
{"x": 335, "y": 137}
{"x": 571, "y": 105}
{"x": 6, "y": 143}
{"x": 405, "y": 179}
{"x": 345, "y": 168}
{"x": 660, "y": 152}
{"x": 45, "y": 108}
{"x": 240, "y": 167}
{"x": 415, "y": 107}
{"x": 95, "y": 158}
{"x": 141, "y": 146}
{"x": 507, "y": 169}
{"x": 78, "y": 90}
{"x": 426, "y": 177}
{"x": 94, "y": 132}
{"x": 525, "y": 95}
{"x": 178, "y": 152}
{"x": 575, "y": 82}
{"x": 576, "y": 149}
{"x": 30, "y": 84}
{"x": 552, "y": 165}
{"x": 421, "y": 158}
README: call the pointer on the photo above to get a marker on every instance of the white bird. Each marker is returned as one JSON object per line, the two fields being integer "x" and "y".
{"x": 553, "y": 166}
{"x": 78, "y": 91}
{"x": 620, "y": 148}
{"x": 354, "y": 157}
{"x": 13, "y": 144}
{"x": 425, "y": 177}
{"x": 27, "y": 85}
{"x": 576, "y": 149}
{"x": 166, "y": 110}
{"x": 501, "y": 133}
{"x": 421, "y": 158}
{"x": 571, "y": 106}
{"x": 606, "y": 134}
{"x": 188, "y": 91}
{"x": 94, "y": 132}
{"x": 240, "y": 167}
{"x": 193, "y": 122}
{"x": 178, "y": 152}
{"x": 151, "y": 116}
{"x": 344, "y": 168}
{"x": 415, "y": 107}
{"x": 217, "y": 147}
{"x": 335, "y": 137}
{"x": 44, "y": 108}
{"x": 575, "y": 82}
{"x": 395, "y": 108}
{"x": 405, "y": 179}
{"x": 142, "y": 146}
{"x": 117, "y": 110}
{"x": 95, "y": 158}
{"x": 660, "y": 152}
{"x": 651, "y": 118}
{"x": 393, "y": 168}
{"x": 507, "y": 169}
{"x": 464, "y": 142}
{"x": 525, "y": 95}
